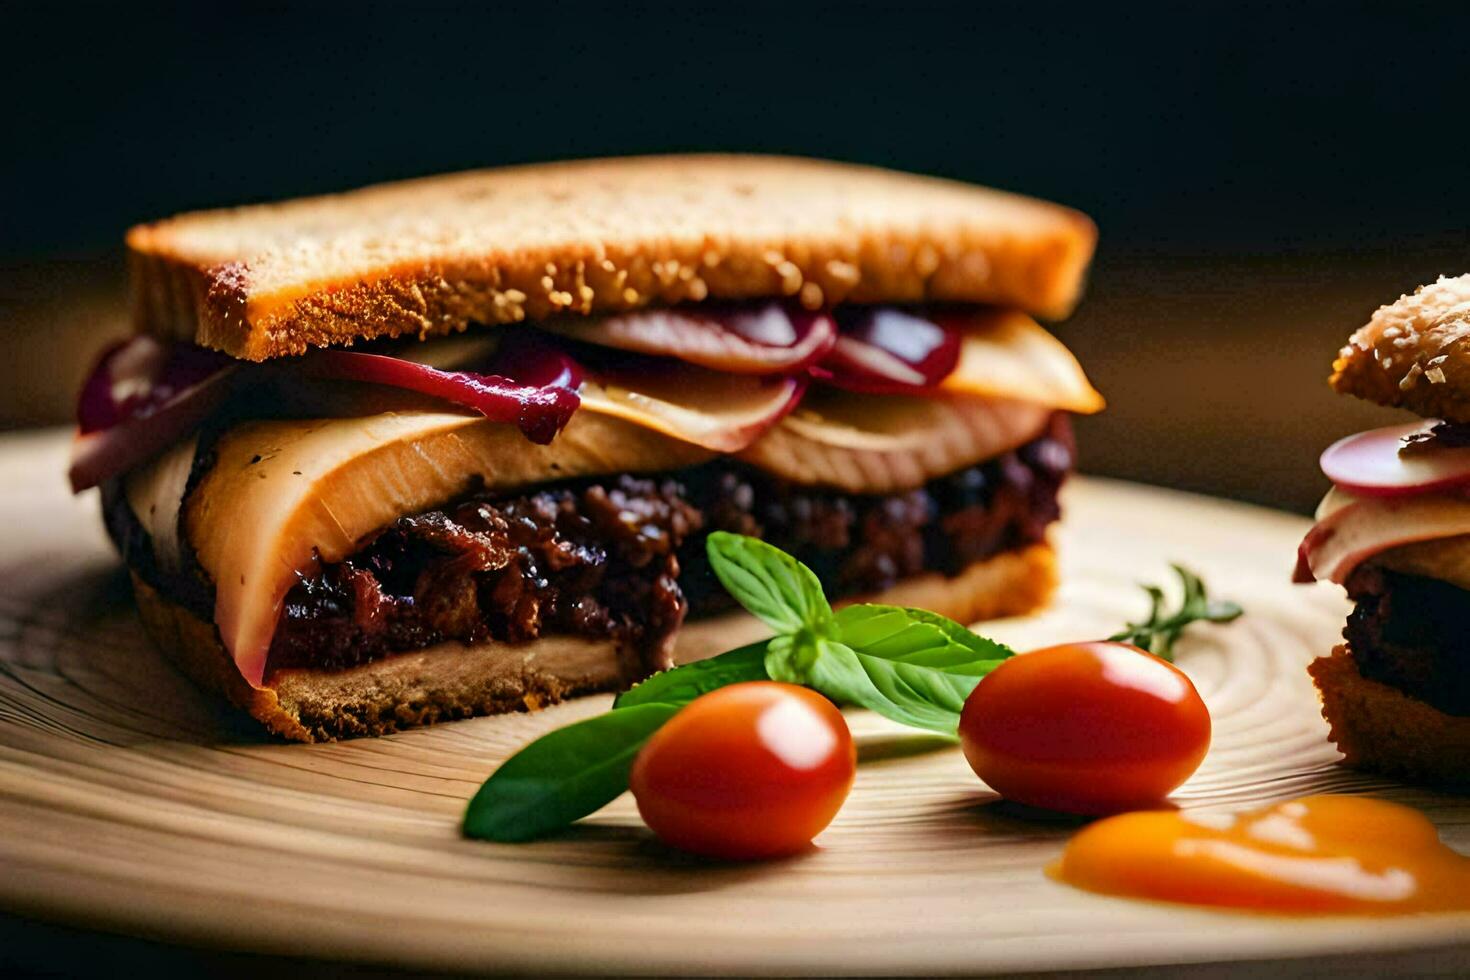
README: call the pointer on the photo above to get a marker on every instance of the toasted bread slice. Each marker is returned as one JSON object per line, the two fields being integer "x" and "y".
{"x": 1414, "y": 353}
{"x": 498, "y": 246}
{"x": 1382, "y": 729}
{"x": 457, "y": 681}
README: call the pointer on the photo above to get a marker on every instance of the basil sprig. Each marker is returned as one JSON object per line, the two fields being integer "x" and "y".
{"x": 910, "y": 665}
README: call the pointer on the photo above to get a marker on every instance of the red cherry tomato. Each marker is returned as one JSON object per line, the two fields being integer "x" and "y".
{"x": 1085, "y": 728}
{"x": 752, "y": 770}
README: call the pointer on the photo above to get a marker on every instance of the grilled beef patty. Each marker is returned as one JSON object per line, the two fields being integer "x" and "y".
{"x": 1410, "y": 632}
{"x": 623, "y": 557}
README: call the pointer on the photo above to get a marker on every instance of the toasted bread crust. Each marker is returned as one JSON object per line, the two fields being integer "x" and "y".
{"x": 498, "y": 246}
{"x": 1382, "y": 729}
{"x": 1414, "y": 353}
{"x": 455, "y": 681}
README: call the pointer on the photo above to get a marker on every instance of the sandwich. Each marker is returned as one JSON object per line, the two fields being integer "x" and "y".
{"x": 452, "y": 446}
{"x": 1394, "y": 531}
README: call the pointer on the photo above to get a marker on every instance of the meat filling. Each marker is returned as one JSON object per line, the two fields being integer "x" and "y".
{"x": 1409, "y": 632}
{"x": 623, "y": 558}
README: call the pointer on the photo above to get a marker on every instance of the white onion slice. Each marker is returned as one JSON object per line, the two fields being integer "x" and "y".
{"x": 886, "y": 444}
{"x": 722, "y": 412}
{"x": 768, "y": 338}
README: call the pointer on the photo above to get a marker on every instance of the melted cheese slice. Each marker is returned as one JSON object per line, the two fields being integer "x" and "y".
{"x": 1006, "y": 354}
{"x": 155, "y": 493}
{"x": 1420, "y": 535}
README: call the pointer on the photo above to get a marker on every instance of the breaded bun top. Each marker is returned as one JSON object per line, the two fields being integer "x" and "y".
{"x": 1414, "y": 353}
{"x": 431, "y": 256}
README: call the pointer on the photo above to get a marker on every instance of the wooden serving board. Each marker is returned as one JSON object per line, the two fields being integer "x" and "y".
{"x": 130, "y": 803}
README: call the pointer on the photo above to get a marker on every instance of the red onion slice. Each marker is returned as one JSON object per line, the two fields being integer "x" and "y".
{"x": 139, "y": 399}
{"x": 538, "y": 410}
{"x": 770, "y": 338}
{"x": 1378, "y": 463}
{"x": 100, "y": 455}
{"x": 143, "y": 394}
{"x": 886, "y": 351}
{"x": 135, "y": 378}
{"x": 527, "y": 358}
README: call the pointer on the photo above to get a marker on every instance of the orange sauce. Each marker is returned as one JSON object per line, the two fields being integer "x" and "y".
{"x": 1323, "y": 855}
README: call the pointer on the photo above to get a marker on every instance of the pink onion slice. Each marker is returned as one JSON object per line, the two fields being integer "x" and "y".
{"x": 100, "y": 455}
{"x": 539, "y": 410}
{"x": 136, "y": 377}
{"x": 887, "y": 351}
{"x": 1379, "y": 463}
{"x": 144, "y": 394}
{"x": 769, "y": 338}
{"x": 140, "y": 398}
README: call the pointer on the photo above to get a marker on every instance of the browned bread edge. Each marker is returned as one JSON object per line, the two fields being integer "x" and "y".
{"x": 924, "y": 239}
{"x": 454, "y": 681}
{"x": 1381, "y": 729}
{"x": 1413, "y": 353}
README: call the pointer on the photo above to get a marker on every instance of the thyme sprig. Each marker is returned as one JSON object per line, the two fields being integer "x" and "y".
{"x": 1157, "y": 633}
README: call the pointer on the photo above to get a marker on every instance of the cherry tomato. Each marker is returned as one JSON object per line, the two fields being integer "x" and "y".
{"x": 752, "y": 770}
{"x": 1085, "y": 728}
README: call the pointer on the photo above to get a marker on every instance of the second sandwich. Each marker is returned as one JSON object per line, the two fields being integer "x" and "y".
{"x": 1394, "y": 531}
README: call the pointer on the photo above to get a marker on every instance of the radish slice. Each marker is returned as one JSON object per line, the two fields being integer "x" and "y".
{"x": 539, "y": 411}
{"x": 1379, "y": 463}
{"x": 766, "y": 339}
{"x": 1351, "y": 529}
{"x": 722, "y": 412}
{"x": 885, "y": 351}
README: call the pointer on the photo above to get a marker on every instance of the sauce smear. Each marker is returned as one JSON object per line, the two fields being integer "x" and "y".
{"x": 1322, "y": 855}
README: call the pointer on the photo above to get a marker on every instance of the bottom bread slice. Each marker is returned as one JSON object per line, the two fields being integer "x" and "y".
{"x": 1381, "y": 729}
{"x": 454, "y": 680}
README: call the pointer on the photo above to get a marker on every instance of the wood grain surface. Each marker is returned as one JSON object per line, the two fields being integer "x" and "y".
{"x": 128, "y": 802}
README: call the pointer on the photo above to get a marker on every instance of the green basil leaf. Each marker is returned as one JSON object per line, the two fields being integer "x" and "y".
{"x": 920, "y": 697}
{"x": 790, "y": 657}
{"x": 563, "y": 776}
{"x": 918, "y": 637}
{"x": 683, "y": 684}
{"x": 983, "y": 647}
{"x": 774, "y": 587}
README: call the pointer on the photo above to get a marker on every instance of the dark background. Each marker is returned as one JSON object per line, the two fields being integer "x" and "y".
{"x": 1262, "y": 178}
